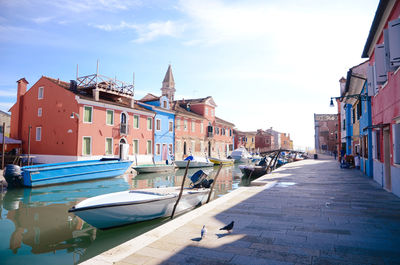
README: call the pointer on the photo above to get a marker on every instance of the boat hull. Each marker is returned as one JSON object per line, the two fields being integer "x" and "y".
{"x": 182, "y": 164}
{"x": 58, "y": 173}
{"x": 218, "y": 161}
{"x": 123, "y": 213}
{"x": 253, "y": 172}
{"x": 153, "y": 168}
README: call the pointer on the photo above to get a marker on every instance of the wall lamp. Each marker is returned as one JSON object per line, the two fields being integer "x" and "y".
{"x": 74, "y": 114}
{"x": 357, "y": 96}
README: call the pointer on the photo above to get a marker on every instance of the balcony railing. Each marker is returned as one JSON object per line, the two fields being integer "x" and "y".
{"x": 124, "y": 128}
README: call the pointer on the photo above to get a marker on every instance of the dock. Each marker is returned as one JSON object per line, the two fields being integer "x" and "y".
{"x": 306, "y": 212}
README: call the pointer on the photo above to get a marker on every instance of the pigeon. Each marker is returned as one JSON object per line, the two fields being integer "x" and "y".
{"x": 203, "y": 231}
{"x": 228, "y": 228}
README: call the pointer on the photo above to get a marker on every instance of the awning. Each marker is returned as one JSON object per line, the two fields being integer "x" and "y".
{"x": 376, "y": 126}
{"x": 8, "y": 140}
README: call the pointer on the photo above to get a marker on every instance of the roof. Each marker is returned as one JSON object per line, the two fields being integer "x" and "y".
{"x": 8, "y": 140}
{"x": 149, "y": 97}
{"x": 356, "y": 78}
{"x": 5, "y": 113}
{"x": 219, "y": 120}
{"x": 102, "y": 99}
{"x": 182, "y": 111}
{"x": 198, "y": 101}
{"x": 383, "y": 4}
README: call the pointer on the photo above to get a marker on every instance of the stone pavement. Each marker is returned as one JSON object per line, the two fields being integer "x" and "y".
{"x": 310, "y": 212}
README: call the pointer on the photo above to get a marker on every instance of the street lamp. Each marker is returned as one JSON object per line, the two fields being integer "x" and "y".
{"x": 74, "y": 114}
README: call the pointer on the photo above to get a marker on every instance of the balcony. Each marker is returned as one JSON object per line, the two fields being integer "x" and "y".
{"x": 124, "y": 128}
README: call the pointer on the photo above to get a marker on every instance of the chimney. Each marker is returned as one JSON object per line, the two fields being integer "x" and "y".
{"x": 22, "y": 84}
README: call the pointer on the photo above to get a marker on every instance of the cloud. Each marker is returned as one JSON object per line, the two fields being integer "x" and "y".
{"x": 8, "y": 93}
{"x": 5, "y": 106}
{"x": 147, "y": 32}
{"x": 40, "y": 20}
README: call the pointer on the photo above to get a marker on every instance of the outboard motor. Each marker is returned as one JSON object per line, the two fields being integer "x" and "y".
{"x": 199, "y": 180}
{"x": 13, "y": 176}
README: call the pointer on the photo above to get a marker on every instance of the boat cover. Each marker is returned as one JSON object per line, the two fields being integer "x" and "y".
{"x": 197, "y": 177}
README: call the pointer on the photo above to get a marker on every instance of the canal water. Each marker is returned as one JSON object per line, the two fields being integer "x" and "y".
{"x": 36, "y": 228}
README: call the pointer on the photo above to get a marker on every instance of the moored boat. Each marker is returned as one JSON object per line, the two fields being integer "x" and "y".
{"x": 121, "y": 208}
{"x": 241, "y": 155}
{"x": 219, "y": 161}
{"x": 59, "y": 173}
{"x": 194, "y": 162}
{"x": 252, "y": 171}
{"x": 152, "y": 168}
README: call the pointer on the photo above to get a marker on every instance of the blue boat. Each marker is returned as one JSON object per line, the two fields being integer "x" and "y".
{"x": 66, "y": 172}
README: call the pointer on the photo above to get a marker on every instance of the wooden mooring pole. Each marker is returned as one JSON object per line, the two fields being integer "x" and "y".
{"x": 212, "y": 185}
{"x": 3, "y": 147}
{"x": 180, "y": 193}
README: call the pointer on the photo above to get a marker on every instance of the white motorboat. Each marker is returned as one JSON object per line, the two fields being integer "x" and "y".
{"x": 195, "y": 161}
{"x": 151, "y": 168}
{"x": 241, "y": 155}
{"x": 125, "y": 207}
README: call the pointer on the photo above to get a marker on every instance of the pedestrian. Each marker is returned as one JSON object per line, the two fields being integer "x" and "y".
{"x": 334, "y": 154}
{"x": 357, "y": 161}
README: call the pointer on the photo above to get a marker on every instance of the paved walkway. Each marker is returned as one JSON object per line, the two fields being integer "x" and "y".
{"x": 310, "y": 212}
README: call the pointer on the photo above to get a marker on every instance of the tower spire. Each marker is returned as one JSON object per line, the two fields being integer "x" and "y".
{"x": 168, "y": 85}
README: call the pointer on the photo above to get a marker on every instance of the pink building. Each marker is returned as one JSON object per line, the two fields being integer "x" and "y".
{"x": 383, "y": 51}
{"x": 81, "y": 120}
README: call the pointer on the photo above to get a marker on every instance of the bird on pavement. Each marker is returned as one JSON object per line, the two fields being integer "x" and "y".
{"x": 203, "y": 231}
{"x": 228, "y": 228}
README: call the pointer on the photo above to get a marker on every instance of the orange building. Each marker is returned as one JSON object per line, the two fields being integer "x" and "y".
{"x": 90, "y": 118}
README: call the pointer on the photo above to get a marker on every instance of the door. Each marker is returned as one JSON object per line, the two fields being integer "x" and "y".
{"x": 209, "y": 149}
{"x": 123, "y": 149}
{"x": 386, "y": 159}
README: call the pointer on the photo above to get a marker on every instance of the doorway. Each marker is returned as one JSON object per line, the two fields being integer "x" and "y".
{"x": 386, "y": 159}
{"x": 184, "y": 148}
{"x": 123, "y": 149}
{"x": 209, "y": 149}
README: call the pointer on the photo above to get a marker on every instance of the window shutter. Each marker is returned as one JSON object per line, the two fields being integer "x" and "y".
{"x": 375, "y": 84}
{"x": 370, "y": 80}
{"x": 388, "y": 66}
{"x": 374, "y": 144}
{"x": 396, "y": 143}
{"x": 394, "y": 42}
{"x": 380, "y": 69}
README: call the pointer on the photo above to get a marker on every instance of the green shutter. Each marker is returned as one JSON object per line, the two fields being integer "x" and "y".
{"x": 87, "y": 114}
{"x": 110, "y": 117}
{"x": 86, "y": 145}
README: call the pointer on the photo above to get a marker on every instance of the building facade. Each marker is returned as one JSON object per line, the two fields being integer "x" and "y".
{"x": 382, "y": 49}
{"x": 326, "y": 132}
{"x": 264, "y": 141}
{"x": 5, "y": 119}
{"x": 80, "y": 120}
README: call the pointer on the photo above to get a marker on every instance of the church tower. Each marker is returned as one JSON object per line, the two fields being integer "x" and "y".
{"x": 168, "y": 85}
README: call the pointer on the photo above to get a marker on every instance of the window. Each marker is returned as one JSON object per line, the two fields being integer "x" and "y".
{"x": 87, "y": 146}
{"x": 158, "y": 151}
{"x": 185, "y": 125}
{"x": 149, "y": 124}
{"x": 87, "y": 114}
{"x": 170, "y": 151}
{"x": 230, "y": 132}
{"x": 38, "y": 134}
{"x": 170, "y": 126}
{"x": 193, "y": 126}
{"x": 158, "y": 124}
{"x": 110, "y": 117}
{"x": 39, "y": 112}
{"x": 354, "y": 116}
{"x": 212, "y": 112}
{"x": 396, "y": 143}
{"x": 109, "y": 145}
{"x": 135, "y": 147}
{"x": 148, "y": 147}
{"x": 206, "y": 111}
{"x": 344, "y": 124}
{"x": 192, "y": 150}
{"x": 201, "y": 128}
{"x": 40, "y": 92}
{"x": 135, "y": 121}
{"x": 178, "y": 146}
{"x": 178, "y": 124}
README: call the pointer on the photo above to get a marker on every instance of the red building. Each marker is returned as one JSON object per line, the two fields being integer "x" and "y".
{"x": 382, "y": 48}
{"x": 264, "y": 141}
{"x": 80, "y": 120}
{"x": 326, "y": 132}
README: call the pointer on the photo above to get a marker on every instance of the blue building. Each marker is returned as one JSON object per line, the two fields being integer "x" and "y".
{"x": 164, "y": 124}
{"x": 358, "y": 117}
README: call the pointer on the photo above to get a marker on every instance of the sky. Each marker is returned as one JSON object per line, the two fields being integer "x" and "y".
{"x": 270, "y": 63}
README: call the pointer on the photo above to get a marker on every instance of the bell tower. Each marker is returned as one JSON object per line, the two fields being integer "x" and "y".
{"x": 168, "y": 85}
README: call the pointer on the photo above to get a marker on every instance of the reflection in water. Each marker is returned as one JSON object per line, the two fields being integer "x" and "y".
{"x": 39, "y": 217}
